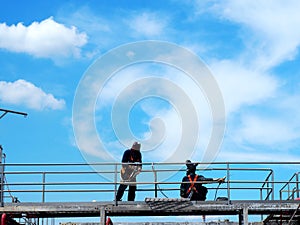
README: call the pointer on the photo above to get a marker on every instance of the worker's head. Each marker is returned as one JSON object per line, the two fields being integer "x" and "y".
{"x": 136, "y": 146}
{"x": 190, "y": 167}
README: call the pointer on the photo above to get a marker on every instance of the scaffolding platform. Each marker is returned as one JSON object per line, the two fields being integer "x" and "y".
{"x": 49, "y": 190}
{"x": 149, "y": 207}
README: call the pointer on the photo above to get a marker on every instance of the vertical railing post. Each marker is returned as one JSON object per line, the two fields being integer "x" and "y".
{"x": 2, "y": 177}
{"x": 297, "y": 184}
{"x": 115, "y": 182}
{"x": 261, "y": 193}
{"x": 2, "y": 185}
{"x": 268, "y": 190}
{"x": 245, "y": 215}
{"x": 240, "y": 215}
{"x": 261, "y": 198}
{"x": 102, "y": 216}
{"x": 43, "y": 187}
{"x": 155, "y": 181}
{"x": 288, "y": 191}
{"x": 228, "y": 183}
{"x": 155, "y": 184}
{"x": 293, "y": 193}
{"x": 273, "y": 185}
{"x": 43, "y": 190}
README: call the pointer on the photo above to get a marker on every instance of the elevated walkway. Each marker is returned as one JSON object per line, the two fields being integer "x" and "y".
{"x": 58, "y": 191}
{"x": 149, "y": 207}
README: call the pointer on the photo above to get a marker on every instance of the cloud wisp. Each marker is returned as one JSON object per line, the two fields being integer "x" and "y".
{"x": 242, "y": 86}
{"x": 260, "y": 106}
{"x": 269, "y": 29}
{"x": 148, "y": 25}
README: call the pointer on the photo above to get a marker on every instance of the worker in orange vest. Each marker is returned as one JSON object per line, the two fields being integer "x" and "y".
{"x": 192, "y": 187}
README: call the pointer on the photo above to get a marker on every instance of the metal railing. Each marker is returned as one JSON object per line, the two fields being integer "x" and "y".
{"x": 88, "y": 182}
{"x": 99, "y": 181}
{"x": 291, "y": 188}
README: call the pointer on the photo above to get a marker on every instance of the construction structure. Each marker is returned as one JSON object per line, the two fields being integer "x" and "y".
{"x": 34, "y": 192}
{"x": 6, "y": 111}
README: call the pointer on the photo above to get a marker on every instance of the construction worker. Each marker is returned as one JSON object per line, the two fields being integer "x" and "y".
{"x": 189, "y": 187}
{"x": 132, "y": 159}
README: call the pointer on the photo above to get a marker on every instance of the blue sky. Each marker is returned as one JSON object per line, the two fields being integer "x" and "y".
{"x": 251, "y": 49}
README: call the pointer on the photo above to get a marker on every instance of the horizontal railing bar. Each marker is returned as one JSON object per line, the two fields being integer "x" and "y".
{"x": 112, "y": 190}
{"x": 62, "y": 191}
{"x": 113, "y": 171}
{"x": 177, "y": 189}
{"x": 59, "y": 183}
{"x": 158, "y": 182}
{"x": 293, "y": 191}
{"x": 56, "y": 172}
{"x": 149, "y": 163}
{"x": 138, "y": 182}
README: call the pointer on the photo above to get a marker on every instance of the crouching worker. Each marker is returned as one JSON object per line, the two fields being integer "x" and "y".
{"x": 192, "y": 187}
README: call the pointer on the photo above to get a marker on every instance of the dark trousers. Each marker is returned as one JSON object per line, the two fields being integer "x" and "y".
{"x": 131, "y": 192}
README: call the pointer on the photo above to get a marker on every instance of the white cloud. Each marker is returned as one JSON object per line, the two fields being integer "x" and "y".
{"x": 25, "y": 93}
{"x": 148, "y": 24}
{"x": 100, "y": 30}
{"x": 42, "y": 39}
{"x": 266, "y": 155}
{"x": 266, "y": 131}
{"x": 171, "y": 133}
{"x": 277, "y": 128}
{"x": 242, "y": 86}
{"x": 143, "y": 79}
{"x": 271, "y": 28}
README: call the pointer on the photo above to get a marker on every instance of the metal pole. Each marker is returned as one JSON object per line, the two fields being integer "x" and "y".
{"x": 5, "y": 111}
{"x": 268, "y": 190}
{"x": 289, "y": 191}
{"x": 155, "y": 181}
{"x": 43, "y": 187}
{"x": 245, "y": 215}
{"x": 11, "y": 111}
{"x": 240, "y": 218}
{"x": 43, "y": 192}
{"x": 297, "y": 184}
{"x": 2, "y": 177}
{"x": 261, "y": 193}
{"x": 116, "y": 177}
{"x": 273, "y": 186}
{"x": 228, "y": 183}
{"x": 102, "y": 216}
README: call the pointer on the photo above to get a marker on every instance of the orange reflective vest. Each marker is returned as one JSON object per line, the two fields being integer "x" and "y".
{"x": 192, "y": 182}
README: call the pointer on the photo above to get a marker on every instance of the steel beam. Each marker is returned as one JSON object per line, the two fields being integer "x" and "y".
{"x": 151, "y": 207}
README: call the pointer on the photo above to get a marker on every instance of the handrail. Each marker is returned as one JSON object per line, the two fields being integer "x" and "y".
{"x": 155, "y": 163}
{"x": 269, "y": 191}
{"x": 57, "y": 178}
{"x": 294, "y": 190}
